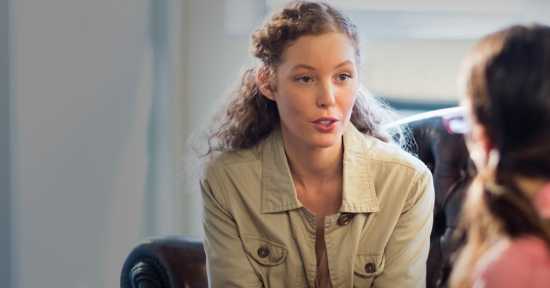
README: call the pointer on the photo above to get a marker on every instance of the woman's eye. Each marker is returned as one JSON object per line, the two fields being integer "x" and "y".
{"x": 344, "y": 76}
{"x": 304, "y": 79}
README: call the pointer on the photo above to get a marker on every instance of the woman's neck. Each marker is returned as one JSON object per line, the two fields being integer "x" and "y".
{"x": 309, "y": 164}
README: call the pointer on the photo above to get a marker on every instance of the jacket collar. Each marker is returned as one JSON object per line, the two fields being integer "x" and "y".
{"x": 279, "y": 194}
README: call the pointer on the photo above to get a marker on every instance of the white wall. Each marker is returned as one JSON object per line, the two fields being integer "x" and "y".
{"x": 82, "y": 96}
{"x": 414, "y": 69}
{"x": 5, "y": 138}
{"x": 213, "y": 60}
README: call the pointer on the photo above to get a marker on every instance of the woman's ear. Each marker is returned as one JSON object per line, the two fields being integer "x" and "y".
{"x": 480, "y": 135}
{"x": 480, "y": 145}
{"x": 264, "y": 80}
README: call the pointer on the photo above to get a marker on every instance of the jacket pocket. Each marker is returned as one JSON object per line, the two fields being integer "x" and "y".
{"x": 264, "y": 252}
{"x": 366, "y": 268}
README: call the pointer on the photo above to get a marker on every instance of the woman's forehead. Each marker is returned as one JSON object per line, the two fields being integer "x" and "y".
{"x": 320, "y": 51}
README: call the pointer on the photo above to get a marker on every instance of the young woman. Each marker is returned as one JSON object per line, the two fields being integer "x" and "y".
{"x": 507, "y": 211}
{"x": 302, "y": 188}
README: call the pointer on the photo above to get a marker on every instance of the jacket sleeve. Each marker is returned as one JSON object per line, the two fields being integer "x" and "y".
{"x": 227, "y": 264}
{"x": 407, "y": 250}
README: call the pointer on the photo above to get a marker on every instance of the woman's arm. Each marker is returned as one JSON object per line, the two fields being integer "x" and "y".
{"x": 407, "y": 250}
{"x": 227, "y": 264}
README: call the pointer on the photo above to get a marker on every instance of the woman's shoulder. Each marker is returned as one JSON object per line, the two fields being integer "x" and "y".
{"x": 389, "y": 153}
{"x": 218, "y": 161}
{"x": 392, "y": 152}
{"x": 522, "y": 262}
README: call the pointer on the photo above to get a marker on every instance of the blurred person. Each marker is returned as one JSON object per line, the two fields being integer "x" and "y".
{"x": 302, "y": 187}
{"x": 506, "y": 84}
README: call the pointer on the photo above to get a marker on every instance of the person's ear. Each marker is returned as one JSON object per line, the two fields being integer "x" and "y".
{"x": 480, "y": 145}
{"x": 480, "y": 135}
{"x": 265, "y": 80}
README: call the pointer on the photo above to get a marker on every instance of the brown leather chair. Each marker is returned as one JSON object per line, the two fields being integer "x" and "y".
{"x": 180, "y": 262}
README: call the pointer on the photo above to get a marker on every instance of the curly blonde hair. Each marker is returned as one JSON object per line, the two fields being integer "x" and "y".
{"x": 250, "y": 116}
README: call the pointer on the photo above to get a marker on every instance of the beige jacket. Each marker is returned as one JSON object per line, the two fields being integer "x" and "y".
{"x": 257, "y": 234}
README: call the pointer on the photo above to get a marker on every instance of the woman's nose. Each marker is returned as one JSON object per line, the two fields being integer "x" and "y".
{"x": 326, "y": 96}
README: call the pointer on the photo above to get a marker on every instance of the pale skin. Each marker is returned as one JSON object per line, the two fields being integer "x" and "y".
{"x": 317, "y": 78}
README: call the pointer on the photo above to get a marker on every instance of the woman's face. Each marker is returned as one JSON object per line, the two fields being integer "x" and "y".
{"x": 315, "y": 89}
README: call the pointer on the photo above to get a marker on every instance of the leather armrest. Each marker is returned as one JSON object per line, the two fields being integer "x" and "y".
{"x": 165, "y": 263}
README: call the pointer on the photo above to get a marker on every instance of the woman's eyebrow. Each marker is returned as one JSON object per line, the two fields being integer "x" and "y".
{"x": 305, "y": 66}
{"x": 343, "y": 64}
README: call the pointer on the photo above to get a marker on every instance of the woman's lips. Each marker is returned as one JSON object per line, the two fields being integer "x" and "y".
{"x": 325, "y": 124}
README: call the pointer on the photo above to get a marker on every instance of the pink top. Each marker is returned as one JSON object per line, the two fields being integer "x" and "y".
{"x": 523, "y": 262}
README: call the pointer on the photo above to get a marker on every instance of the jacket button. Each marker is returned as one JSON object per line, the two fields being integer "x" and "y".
{"x": 345, "y": 219}
{"x": 263, "y": 251}
{"x": 370, "y": 267}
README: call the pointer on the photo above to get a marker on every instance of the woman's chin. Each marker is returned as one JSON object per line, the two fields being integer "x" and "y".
{"x": 324, "y": 141}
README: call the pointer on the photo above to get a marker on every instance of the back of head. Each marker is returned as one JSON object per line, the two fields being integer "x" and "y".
{"x": 507, "y": 80}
